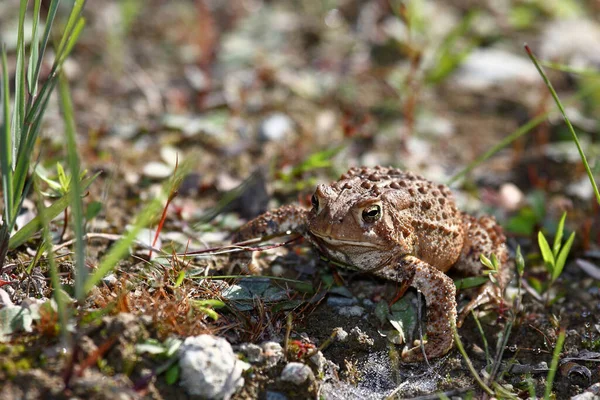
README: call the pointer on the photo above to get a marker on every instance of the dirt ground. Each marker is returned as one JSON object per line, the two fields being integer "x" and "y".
{"x": 264, "y": 100}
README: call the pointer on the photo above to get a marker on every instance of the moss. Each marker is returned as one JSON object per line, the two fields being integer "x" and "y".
{"x": 12, "y": 367}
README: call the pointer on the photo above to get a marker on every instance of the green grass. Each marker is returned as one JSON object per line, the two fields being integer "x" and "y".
{"x": 20, "y": 129}
{"x": 567, "y": 121}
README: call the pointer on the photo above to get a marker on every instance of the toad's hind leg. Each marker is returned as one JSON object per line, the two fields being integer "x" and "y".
{"x": 440, "y": 296}
{"x": 483, "y": 236}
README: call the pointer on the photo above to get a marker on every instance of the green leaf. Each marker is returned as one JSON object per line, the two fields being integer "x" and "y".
{"x": 45, "y": 37}
{"x": 32, "y": 78}
{"x": 72, "y": 40}
{"x": 486, "y": 261}
{"x": 63, "y": 180}
{"x": 151, "y": 347}
{"x": 180, "y": 278}
{"x": 33, "y": 226}
{"x": 519, "y": 261}
{"x": 472, "y": 281}
{"x": 26, "y": 232}
{"x": 70, "y": 27}
{"x": 6, "y": 145}
{"x": 209, "y": 312}
{"x": 562, "y": 257}
{"x": 172, "y": 374}
{"x": 546, "y": 252}
{"x": 536, "y": 284}
{"x": 74, "y": 187}
{"x": 567, "y": 121}
{"x": 559, "y": 234}
{"x": 20, "y": 89}
{"x": 210, "y": 303}
{"x": 92, "y": 210}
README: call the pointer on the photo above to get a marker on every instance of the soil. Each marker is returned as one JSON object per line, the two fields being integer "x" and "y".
{"x": 263, "y": 100}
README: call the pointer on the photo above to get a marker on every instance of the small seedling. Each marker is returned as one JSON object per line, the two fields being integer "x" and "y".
{"x": 555, "y": 257}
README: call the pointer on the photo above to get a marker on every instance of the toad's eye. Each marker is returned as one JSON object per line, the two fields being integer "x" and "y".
{"x": 372, "y": 213}
{"x": 315, "y": 202}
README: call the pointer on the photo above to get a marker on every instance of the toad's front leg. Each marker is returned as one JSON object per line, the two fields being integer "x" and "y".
{"x": 281, "y": 221}
{"x": 440, "y": 296}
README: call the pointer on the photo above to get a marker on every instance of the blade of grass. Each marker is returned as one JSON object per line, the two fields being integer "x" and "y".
{"x": 554, "y": 364}
{"x": 562, "y": 257}
{"x": 71, "y": 22}
{"x": 75, "y": 187}
{"x": 559, "y": 235}
{"x": 547, "y": 255}
{"x": 59, "y": 295}
{"x": 567, "y": 121}
{"x": 45, "y": 37}
{"x": 72, "y": 40}
{"x": 26, "y": 232}
{"x": 19, "y": 104}
{"x": 470, "y": 366}
{"x": 34, "y": 50}
{"x": 120, "y": 249}
{"x": 6, "y": 144}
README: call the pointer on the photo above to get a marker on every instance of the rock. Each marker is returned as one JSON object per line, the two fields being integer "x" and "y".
{"x": 253, "y": 352}
{"x": 109, "y": 280}
{"x": 275, "y": 127}
{"x": 510, "y": 196}
{"x": 275, "y": 396}
{"x": 572, "y": 41}
{"x": 5, "y": 300}
{"x": 297, "y": 373}
{"x": 338, "y": 301}
{"x": 352, "y": 311}
{"x": 484, "y": 69}
{"x": 360, "y": 337}
{"x": 319, "y": 361}
{"x": 209, "y": 367}
{"x": 273, "y": 353}
{"x": 157, "y": 170}
{"x": 340, "y": 334}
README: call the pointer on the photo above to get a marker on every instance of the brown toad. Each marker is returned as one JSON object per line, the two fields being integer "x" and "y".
{"x": 401, "y": 227}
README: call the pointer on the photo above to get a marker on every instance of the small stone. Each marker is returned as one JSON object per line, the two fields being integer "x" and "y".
{"x": 296, "y": 373}
{"x": 510, "y": 196}
{"x": 574, "y": 41}
{"x": 157, "y": 170}
{"x": 275, "y": 127}
{"x": 253, "y": 352}
{"x": 109, "y": 280}
{"x": 340, "y": 334}
{"x": 361, "y": 337}
{"x": 275, "y": 396}
{"x": 352, "y": 311}
{"x": 273, "y": 353}
{"x": 319, "y": 361}
{"x": 210, "y": 368}
{"x": 338, "y": 301}
{"x": 487, "y": 68}
{"x": 5, "y": 300}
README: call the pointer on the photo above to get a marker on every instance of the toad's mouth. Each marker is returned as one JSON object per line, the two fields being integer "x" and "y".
{"x": 343, "y": 242}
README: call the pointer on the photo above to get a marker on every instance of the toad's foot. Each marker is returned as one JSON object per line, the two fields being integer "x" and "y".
{"x": 440, "y": 296}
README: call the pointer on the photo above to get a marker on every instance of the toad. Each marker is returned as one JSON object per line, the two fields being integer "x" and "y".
{"x": 402, "y": 227}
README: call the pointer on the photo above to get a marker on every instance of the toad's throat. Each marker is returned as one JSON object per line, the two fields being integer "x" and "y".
{"x": 343, "y": 242}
